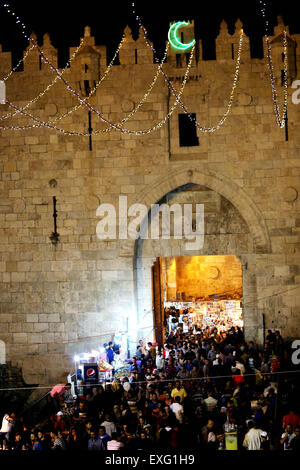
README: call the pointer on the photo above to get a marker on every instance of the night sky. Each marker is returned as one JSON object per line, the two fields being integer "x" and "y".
{"x": 65, "y": 20}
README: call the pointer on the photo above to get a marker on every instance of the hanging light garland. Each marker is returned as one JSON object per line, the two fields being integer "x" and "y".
{"x": 42, "y": 93}
{"x": 76, "y": 107}
{"x": 116, "y": 127}
{"x": 93, "y": 91}
{"x": 82, "y": 101}
{"x": 281, "y": 121}
{"x": 52, "y": 67}
{"x": 231, "y": 98}
{"x": 113, "y": 126}
{"x": 19, "y": 63}
{"x": 136, "y": 108}
{"x": 34, "y": 45}
{"x": 173, "y": 90}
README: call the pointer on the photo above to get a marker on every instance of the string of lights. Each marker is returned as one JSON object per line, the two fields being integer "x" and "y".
{"x": 173, "y": 90}
{"x": 117, "y": 126}
{"x": 40, "y": 123}
{"x": 70, "y": 89}
{"x": 280, "y": 121}
{"x": 42, "y": 93}
{"x": 34, "y": 45}
{"x": 136, "y": 108}
{"x": 19, "y": 63}
{"x": 94, "y": 89}
{"x": 58, "y": 118}
{"x": 47, "y": 61}
{"x": 31, "y": 40}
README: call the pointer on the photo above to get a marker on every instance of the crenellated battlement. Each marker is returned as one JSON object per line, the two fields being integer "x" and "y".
{"x": 91, "y": 60}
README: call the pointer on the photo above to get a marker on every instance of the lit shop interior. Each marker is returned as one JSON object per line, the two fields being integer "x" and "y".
{"x": 191, "y": 292}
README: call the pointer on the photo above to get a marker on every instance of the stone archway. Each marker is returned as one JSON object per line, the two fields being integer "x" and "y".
{"x": 245, "y": 210}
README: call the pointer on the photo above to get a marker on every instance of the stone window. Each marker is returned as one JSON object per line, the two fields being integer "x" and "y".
{"x": 187, "y": 131}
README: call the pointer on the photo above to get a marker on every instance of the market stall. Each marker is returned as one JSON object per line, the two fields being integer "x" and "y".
{"x": 221, "y": 314}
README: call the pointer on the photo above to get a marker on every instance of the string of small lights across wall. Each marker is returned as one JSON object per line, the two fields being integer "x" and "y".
{"x": 178, "y": 100}
{"x": 121, "y": 129}
{"x": 42, "y": 93}
{"x": 173, "y": 90}
{"x": 136, "y": 108}
{"x": 34, "y": 45}
{"x": 84, "y": 102}
{"x": 76, "y": 107}
{"x": 113, "y": 126}
{"x": 19, "y": 63}
{"x": 94, "y": 89}
{"x": 281, "y": 121}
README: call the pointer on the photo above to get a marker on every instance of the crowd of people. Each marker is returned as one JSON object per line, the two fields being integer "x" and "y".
{"x": 201, "y": 390}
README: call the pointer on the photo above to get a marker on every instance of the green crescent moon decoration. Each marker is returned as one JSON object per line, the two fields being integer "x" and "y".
{"x": 175, "y": 41}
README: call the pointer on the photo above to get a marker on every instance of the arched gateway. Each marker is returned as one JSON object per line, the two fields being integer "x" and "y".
{"x": 232, "y": 225}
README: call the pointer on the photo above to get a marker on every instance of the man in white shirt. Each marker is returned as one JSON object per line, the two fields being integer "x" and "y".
{"x": 109, "y": 425}
{"x": 8, "y": 422}
{"x": 252, "y": 439}
{"x": 210, "y": 402}
{"x": 239, "y": 365}
{"x": 287, "y": 437}
{"x": 177, "y": 409}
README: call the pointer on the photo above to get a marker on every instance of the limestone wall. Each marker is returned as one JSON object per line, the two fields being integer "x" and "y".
{"x": 54, "y": 299}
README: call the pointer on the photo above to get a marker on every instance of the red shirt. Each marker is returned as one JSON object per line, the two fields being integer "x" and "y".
{"x": 60, "y": 425}
{"x": 238, "y": 379}
{"x": 292, "y": 419}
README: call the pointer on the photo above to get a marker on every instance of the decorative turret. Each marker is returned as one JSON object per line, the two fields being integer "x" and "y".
{"x": 33, "y": 60}
{"x": 49, "y": 51}
{"x": 277, "y": 52}
{"x": 135, "y": 52}
{"x": 88, "y": 59}
{"x": 235, "y": 39}
{"x": 224, "y": 49}
{"x": 143, "y": 53}
{"x": 127, "y": 54}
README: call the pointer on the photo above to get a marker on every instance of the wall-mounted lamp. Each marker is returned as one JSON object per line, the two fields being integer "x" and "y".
{"x": 54, "y": 237}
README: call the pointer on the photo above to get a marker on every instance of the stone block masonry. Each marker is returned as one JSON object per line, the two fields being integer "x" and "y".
{"x": 58, "y": 300}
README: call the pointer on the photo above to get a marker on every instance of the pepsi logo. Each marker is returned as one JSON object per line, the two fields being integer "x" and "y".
{"x": 90, "y": 372}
